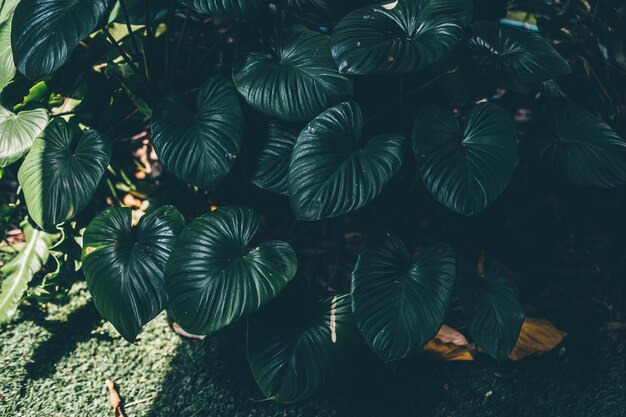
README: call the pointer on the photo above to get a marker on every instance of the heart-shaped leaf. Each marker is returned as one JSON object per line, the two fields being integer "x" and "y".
{"x": 7, "y": 67}
{"x": 271, "y": 160}
{"x": 225, "y": 8}
{"x": 61, "y": 172}
{"x": 578, "y": 146}
{"x": 400, "y": 302}
{"x": 212, "y": 280}
{"x": 45, "y": 32}
{"x": 332, "y": 172}
{"x": 299, "y": 66}
{"x": 323, "y": 12}
{"x": 502, "y": 52}
{"x": 18, "y": 131}
{"x": 465, "y": 166}
{"x": 123, "y": 265}
{"x": 199, "y": 146}
{"x": 493, "y": 312}
{"x": 399, "y": 38}
{"x": 296, "y": 345}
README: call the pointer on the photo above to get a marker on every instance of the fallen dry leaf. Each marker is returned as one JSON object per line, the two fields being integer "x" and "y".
{"x": 181, "y": 332}
{"x": 449, "y": 335}
{"x": 536, "y": 337}
{"x": 114, "y": 397}
{"x": 450, "y": 345}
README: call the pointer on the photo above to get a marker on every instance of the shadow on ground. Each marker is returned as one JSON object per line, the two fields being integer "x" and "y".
{"x": 583, "y": 379}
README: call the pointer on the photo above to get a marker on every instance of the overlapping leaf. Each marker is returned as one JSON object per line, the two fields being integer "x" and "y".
{"x": 45, "y": 32}
{"x": 296, "y": 81}
{"x": 199, "y": 147}
{"x": 493, "y": 312}
{"x": 123, "y": 265}
{"x": 61, "y": 172}
{"x": 400, "y": 37}
{"x": 510, "y": 54}
{"x": 465, "y": 167}
{"x": 295, "y": 346}
{"x": 332, "y": 170}
{"x": 578, "y": 146}
{"x": 18, "y": 131}
{"x": 7, "y": 66}
{"x": 211, "y": 279}
{"x": 225, "y": 8}
{"x": 400, "y": 302}
{"x": 323, "y": 12}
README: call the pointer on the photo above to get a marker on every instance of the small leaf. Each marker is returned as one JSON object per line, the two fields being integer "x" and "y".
{"x": 19, "y": 271}
{"x": 18, "y": 131}
{"x": 519, "y": 56}
{"x": 61, "y": 172}
{"x": 299, "y": 66}
{"x": 493, "y": 312}
{"x": 536, "y": 337}
{"x": 272, "y": 158}
{"x": 332, "y": 172}
{"x": 400, "y": 302}
{"x": 123, "y": 265}
{"x": 199, "y": 146}
{"x": 400, "y": 38}
{"x": 212, "y": 280}
{"x": 296, "y": 345}
{"x": 225, "y": 8}
{"x": 465, "y": 167}
{"x": 45, "y": 32}
{"x": 578, "y": 146}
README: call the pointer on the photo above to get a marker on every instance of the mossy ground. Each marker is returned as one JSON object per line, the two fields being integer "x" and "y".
{"x": 56, "y": 365}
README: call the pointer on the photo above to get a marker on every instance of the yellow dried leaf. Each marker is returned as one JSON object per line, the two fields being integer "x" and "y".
{"x": 537, "y": 336}
{"x": 449, "y": 351}
{"x": 449, "y": 335}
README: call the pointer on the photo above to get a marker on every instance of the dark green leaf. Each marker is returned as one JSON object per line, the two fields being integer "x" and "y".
{"x": 199, "y": 146}
{"x": 492, "y": 310}
{"x": 137, "y": 11}
{"x": 323, "y": 12}
{"x": 18, "y": 272}
{"x": 61, "y": 172}
{"x": 511, "y": 54}
{"x": 271, "y": 165}
{"x": 400, "y": 302}
{"x": 18, "y": 131}
{"x": 225, "y": 8}
{"x": 400, "y": 37}
{"x": 123, "y": 265}
{"x": 465, "y": 167}
{"x": 295, "y": 345}
{"x": 45, "y": 32}
{"x": 578, "y": 146}
{"x": 332, "y": 172}
{"x": 211, "y": 278}
{"x": 296, "y": 81}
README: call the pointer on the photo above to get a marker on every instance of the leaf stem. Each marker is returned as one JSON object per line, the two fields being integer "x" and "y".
{"x": 131, "y": 34}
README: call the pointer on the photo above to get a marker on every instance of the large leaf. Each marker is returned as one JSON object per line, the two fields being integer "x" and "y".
{"x": 332, "y": 172}
{"x": 7, "y": 9}
{"x": 400, "y": 302}
{"x": 137, "y": 11}
{"x": 225, "y": 8}
{"x": 323, "y": 12}
{"x": 45, "y": 32}
{"x": 18, "y": 131}
{"x": 7, "y": 67}
{"x": 296, "y": 345}
{"x": 399, "y": 37}
{"x": 61, "y": 172}
{"x": 271, "y": 164}
{"x": 466, "y": 166}
{"x": 493, "y": 312}
{"x": 578, "y": 146}
{"x": 211, "y": 278}
{"x": 502, "y": 52}
{"x": 199, "y": 146}
{"x": 19, "y": 271}
{"x": 123, "y": 265}
{"x": 296, "y": 81}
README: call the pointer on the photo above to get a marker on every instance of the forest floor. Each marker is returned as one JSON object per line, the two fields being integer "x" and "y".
{"x": 56, "y": 364}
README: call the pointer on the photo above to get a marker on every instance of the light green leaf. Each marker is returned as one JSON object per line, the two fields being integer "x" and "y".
{"x": 17, "y": 273}
{"x": 7, "y": 67}
{"x": 18, "y": 131}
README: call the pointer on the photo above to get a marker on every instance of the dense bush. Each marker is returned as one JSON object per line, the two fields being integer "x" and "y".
{"x": 267, "y": 141}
